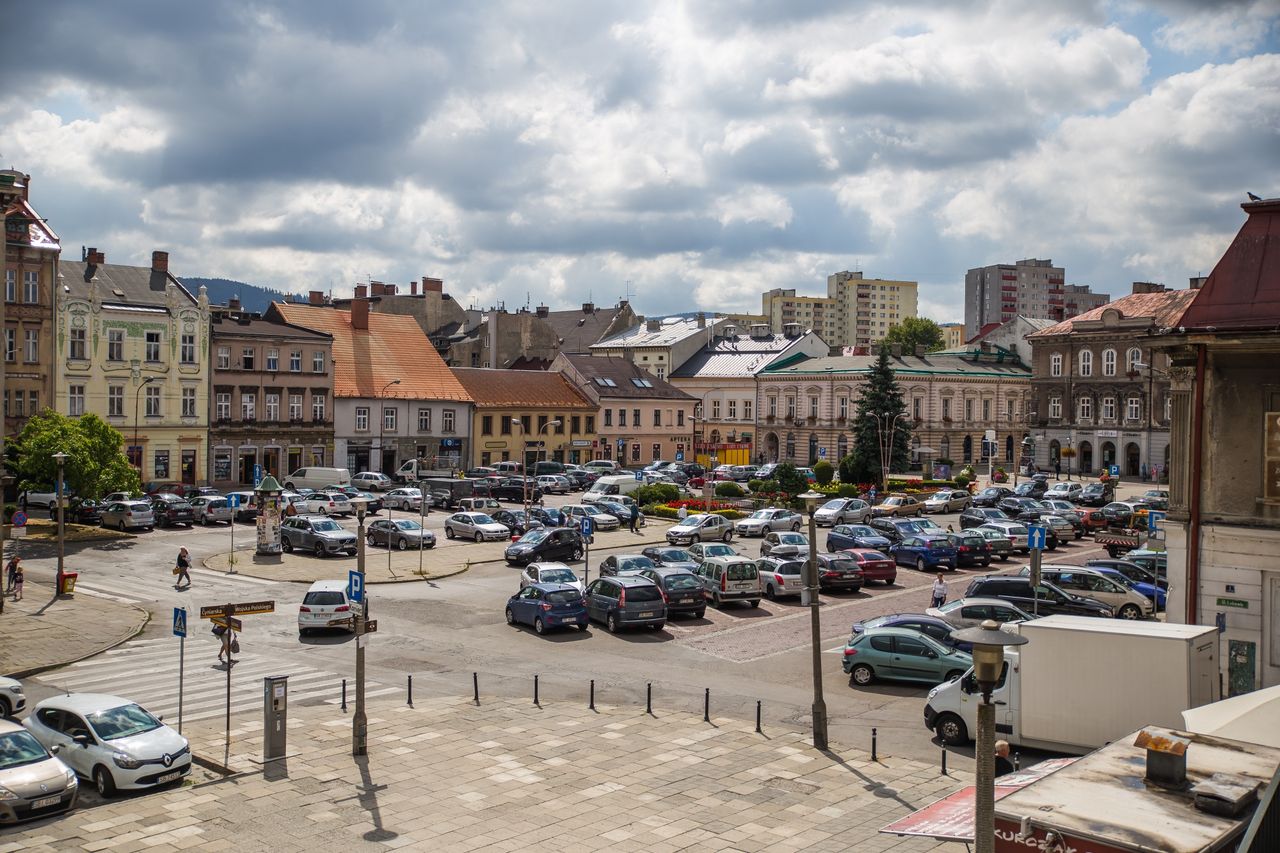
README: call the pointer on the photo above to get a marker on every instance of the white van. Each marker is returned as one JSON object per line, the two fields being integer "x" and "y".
{"x": 317, "y": 478}
{"x": 611, "y": 486}
{"x": 602, "y": 466}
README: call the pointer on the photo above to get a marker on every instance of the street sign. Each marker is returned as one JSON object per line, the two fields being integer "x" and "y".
{"x": 1153, "y": 519}
{"x": 179, "y": 621}
{"x": 257, "y": 475}
{"x": 19, "y": 519}
{"x": 228, "y": 622}
{"x": 822, "y": 453}
{"x": 1114, "y": 471}
{"x": 245, "y": 608}
{"x": 355, "y": 586}
{"x": 233, "y": 501}
{"x": 371, "y": 626}
{"x": 587, "y": 526}
{"x": 1037, "y": 535}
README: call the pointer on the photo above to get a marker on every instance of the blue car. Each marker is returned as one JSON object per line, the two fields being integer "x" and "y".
{"x": 924, "y": 552}
{"x": 845, "y": 536}
{"x": 546, "y": 606}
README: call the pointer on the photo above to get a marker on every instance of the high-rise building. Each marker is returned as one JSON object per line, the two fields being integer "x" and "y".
{"x": 1032, "y": 287}
{"x": 953, "y": 335}
{"x": 856, "y": 311}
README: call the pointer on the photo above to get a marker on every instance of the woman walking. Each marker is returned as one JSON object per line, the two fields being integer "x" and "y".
{"x": 182, "y": 570}
{"x": 17, "y": 579}
{"x": 11, "y": 572}
{"x": 939, "y": 591}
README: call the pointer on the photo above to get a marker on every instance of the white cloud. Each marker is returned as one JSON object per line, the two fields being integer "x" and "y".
{"x": 1233, "y": 28}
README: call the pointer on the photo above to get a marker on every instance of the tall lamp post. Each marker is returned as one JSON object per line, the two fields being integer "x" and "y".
{"x": 886, "y": 450}
{"x": 137, "y": 396}
{"x": 382, "y": 423}
{"x": 59, "y": 491}
{"x": 989, "y": 643}
{"x": 524, "y": 464}
{"x": 811, "y": 499}
{"x": 542, "y": 430}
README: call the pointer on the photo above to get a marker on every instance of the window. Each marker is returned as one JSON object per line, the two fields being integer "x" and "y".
{"x": 10, "y": 344}
{"x": 446, "y": 420}
{"x": 115, "y": 401}
{"x": 733, "y": 410}
{"x": 188, "y": 402}
{"x": 946, "y": 408}
{"x": 75, "y": 400}
{"x": 715, "y": 410}
{"x": 486, "y": 425}
{"x": 506, "y": 424}
{"x": 635, "y": 417}
{"x": 968, "y": 410}
{"x": 153, "y": 401}
{"x": 917, "y": 406}
{"x": 115, "y": 344}
{"x": 542, "y": 424}
{"x": 843, "y": 407}
{"x": 1134, "y": 412}
{"x": 622, "y": 417}
{"x": 608, "y": 417}
{"x": 1108, "y": 362}
{"x": 657, "y": 452}
{"x": 662, "y": 372}
{"x": 224, "y": 358}
{"x": 1133, "y": 358}
{"x": 389, "y": 418}
{"x": 1168, "y": 406}
{"x": 986, "y": 410}
{"x": 31, "y": 287}
{"x": 1085, "y": 408}
{"x": 273, "y": 359}
{"x": 590, "y": 424}
{"x": 362, "y": 418}
{"x": 424, "y": 420}
{"x": 162, "y": 464}
{"x": 247, "y": 358}
{"x": 32, "y": 354}
{"x": 1086, "y": 362}
{"x": 791, "y": 407}
{"x": 574, "y": 423}
{"x": 295, "y": 361}
{"x": 317, "y": 361}
{"x": 10, "y": 286}
{"x": 657, "y": 418}
{"x": 773, "y": 407}
{"x": 273, "y": 406}
{"x": 317, "y": 407}
{"x": 248, "y": 405}
{"x": 77, "y": 344}
{"x": 153, "y": 346}
{"x": 1055, "y": 407}
{"x": 222, "y": 406}
{"x": 295, "y": 407}
{"x": 1055, "y": 364}
{"x": 635, "y": 452}
{"x": 813, "y": 408}
{"x": 1108, "y": 412}
{"x": 746, "y": 413}
{"x": 187, "y": 349}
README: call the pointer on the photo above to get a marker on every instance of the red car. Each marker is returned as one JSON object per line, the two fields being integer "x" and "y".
{"x": 1093, "y": 519}
{"x": 875, "y": 565}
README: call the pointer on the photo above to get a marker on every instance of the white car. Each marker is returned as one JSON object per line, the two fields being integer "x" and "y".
{"x": 406, "y": 497}
{"x": 1014, "y": 531}
{"x": 475, "y": 525}
{"x": 764, "y": 521}
{"x": 842, "y": 511}
{"x": 375, "y": 480}
{"x": 329, "y": 503}
{"x": 35, "y": 783}
{"x": 703, "y": 527}
{"x": 12, "y": 699}
{"x": 947, "y": 500}
{"x": 550, "y": 573}
{"x": 326, "y": 606}
{"x": 601, "y": 519}
{"x": 553, "y": 484}
{"x": 110, "y": 740}
{"x": 1066, "y": 491}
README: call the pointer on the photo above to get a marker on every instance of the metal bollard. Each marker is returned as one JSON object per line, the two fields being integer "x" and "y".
{"x": 535, "y": 690}
{"x": 411, "y": 691}
{"x": 873, "y": 744}
{"x": 591, "y": 703}
{"x": 1015, "y": 761}
{"x": 475, "y": 687}
{"x": 944, "y": 759}
{"x": 648, "y": 698}
{"x": 758, "y": 729}
{"x": 344, "y": 695}
{"x": 706, "y": 706}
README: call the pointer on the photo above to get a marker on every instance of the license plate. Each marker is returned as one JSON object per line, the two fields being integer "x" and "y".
{"x": 646, "y": 614}
{"x": 169, "y": 777}
{"x": 686, "y": 601}
{"x": 46, "y": 802}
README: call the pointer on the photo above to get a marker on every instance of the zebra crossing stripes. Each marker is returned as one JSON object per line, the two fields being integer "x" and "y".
{"x": 131, "y": 591}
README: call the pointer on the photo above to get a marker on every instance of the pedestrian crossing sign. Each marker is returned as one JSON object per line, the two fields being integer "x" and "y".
{"x": 179, "y": 621}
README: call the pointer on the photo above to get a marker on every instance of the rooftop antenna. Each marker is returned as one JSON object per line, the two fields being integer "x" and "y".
{"x": 627, "y": 292}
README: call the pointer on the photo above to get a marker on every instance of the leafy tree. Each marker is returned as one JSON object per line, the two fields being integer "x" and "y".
{"x": 915, "y": 331}
{"x": 728, "y": 489}
{"x": 880, "y": 411}
{"x": 657, "y": 493}
{"x": 790, "y": 480}
{"x": 95, "y": 463}
{"x": 823, "y": 472}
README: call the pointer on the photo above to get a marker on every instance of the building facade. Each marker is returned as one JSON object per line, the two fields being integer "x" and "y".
{"x": 856, "y": 312}
{"x": 659, "y": 346}
{"x": 30, "y": 275}
{"x": 952, "y": 335}
{"x": 271, "y": 409}
{"x": 133, "y": 347}
{"x": 1033, "y": 287}
{"x": 1097, "y": 390}
{"x": 526, "y": 415}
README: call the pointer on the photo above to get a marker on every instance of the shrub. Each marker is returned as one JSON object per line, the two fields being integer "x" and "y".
{"x": 756, "y": 485}
{"x": 961, "y": 481}
{"x": 728, "y": 489}
{"x": 658, "y": 493}
{"x": 790, "y": 480}
{"x": 823, "y": 472}
{"x": 848, "y": 490}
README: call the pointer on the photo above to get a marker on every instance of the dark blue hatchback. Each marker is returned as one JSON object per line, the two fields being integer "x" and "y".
{"x": 546, "y": 606}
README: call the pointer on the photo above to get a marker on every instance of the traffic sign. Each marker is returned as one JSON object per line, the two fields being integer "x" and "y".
{"x": 233, "y": 501}
{"x": 639, "y": 475}
{"x": 822, "y": 453}
{"x": 355, "y": 586}
{"x": 19, "y": 519}
{"x": 257, "y": 475}
{"x": 587, "y": 526}
{"x": 1153, "y": 517}
{"x": 1037, "y": 535}
{"x": 179, "y": 621}
{"x": 228, "y": 622}
{"x": 1114, "y": 471}
{"x": 371, "y": 626}
{"x": 679, "y": 455}
{"x": 246, "y": 608}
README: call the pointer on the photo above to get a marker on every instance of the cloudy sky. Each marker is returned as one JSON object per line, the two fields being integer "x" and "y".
{"x": 694, "y": 153}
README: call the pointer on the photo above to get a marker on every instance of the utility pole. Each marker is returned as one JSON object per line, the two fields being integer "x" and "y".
{"x": 359, "y": 721}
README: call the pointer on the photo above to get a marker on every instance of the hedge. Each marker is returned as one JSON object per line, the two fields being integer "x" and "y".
{"x": 664, "y": 511}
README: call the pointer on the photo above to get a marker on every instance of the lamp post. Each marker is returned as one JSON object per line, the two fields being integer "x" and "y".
{"x": 989, "y": 643}
{"x": 62, "y": 462}
{"x": 137, "y": 396}
{"x": 524, "y": 467}
{"x": 382, "y": 423}
{"x": 811, "y": 499}
{"x": 542, "y": 430}
{"x": 886, "y": 450}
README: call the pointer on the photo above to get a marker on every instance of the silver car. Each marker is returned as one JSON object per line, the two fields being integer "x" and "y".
{"x": 947, "y": 500}
{"x": 764, "y": 521}
{"x": 374, "y": 480}
{"x": 842, "y": 511}
{"x": 475, "y": 525}
{"x": 36, "y": 783}
{"x": 403, "y": 533}
{"x": 406, "y": 498}
{"x": 124, "y": 515}
{"x": 785, "y": 545}
{"x": 211, "y": 509}
{"x": 318, "y": 534}
{"x": 971, "y": 612}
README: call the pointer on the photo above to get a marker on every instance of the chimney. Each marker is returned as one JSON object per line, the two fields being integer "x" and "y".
{"x": 653, "y": 325}
{"x": 360, "y": 314}
{"x": 895, "y": 350}
{"x": 702, "y": 320}
{"x": 432, "y": 285}
{"x": 919, "y": 350}
{"x": 413, "y": 288}
{"x": 1148, "y": 287}
{"x": 1166, "y": 757}
{"x": 362, "y": 291}
{"x": 542, "y": 311}
{"x": 376, "y": 288}
{"x": 588, "y": 308}
{"x": 160, "y": 261}
{"x": 233, "y": 304}
{"x": 1198, "y": 281}
{"x": 316, "y": 297}
{"x": 389, "y": 290}
{"x": 96, "y": 258}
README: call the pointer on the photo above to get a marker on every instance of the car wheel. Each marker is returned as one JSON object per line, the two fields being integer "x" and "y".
{"x": 319, "y": 549}
{"x": 286, "y": 545}
{"x": 795, "y": 528}
{"x": 103, "y": 782}
{"x": 891, "y": 581}
{"x": 448, "y": 532}
{"x": 478, "y": 537}
{"x": 1129, "y": 611}
{"x": 952, "y": 675}
{"x": 986, "y": 561}
{"x": 403, "y": 544}
{"x": 695, "y": 539}
{"x": 700, "y": 614}
{"x": 658, "y": 627}
{"x": 863, "y": 675}
{"x": 770, "y": 593}
{"x": 5, "y": 709}
{"x": 951, "y": 730}
{"x": 511, "y": 617}
{"x": 577, "y": 553}
{"x": 920, "y": 566}
{"x": 612, "y": 623}
{"x": 539, "y": 626}
{"x": 728, "y": 537}
{"x": 715, "y": 600}
{"x": 369, "y": 539}
{"x": 755, "y": 602}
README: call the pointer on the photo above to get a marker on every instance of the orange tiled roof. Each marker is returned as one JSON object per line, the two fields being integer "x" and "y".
{"x": 393, "y": 347}
{"x": 1164, "y": 308}
{"x": 492, "y": 388}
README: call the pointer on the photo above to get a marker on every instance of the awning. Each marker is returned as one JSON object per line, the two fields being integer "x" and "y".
{"x": 1252, "y": 717}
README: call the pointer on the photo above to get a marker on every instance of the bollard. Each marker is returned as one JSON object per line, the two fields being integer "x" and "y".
{"x": 591, "y": 703}
{"x": 535, "y": 690}
{"x": 411, "y": 691}
{"x": 648, "y": 698}
{"x": 873, "y": 745}
{"x": 944, "y": 759}
{"x": 706, "y": 706}
{"x": 344, "y": 695}
{"x": 1015, "y": 761}
{"x": 475, "y": 687}
{"x": 758, "y": 729}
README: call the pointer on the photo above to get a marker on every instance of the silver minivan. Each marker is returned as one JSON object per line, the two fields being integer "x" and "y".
{"x": 730, "y": 579}
{"x": 1125, "y": 603}
{"x": 128, "y": 514}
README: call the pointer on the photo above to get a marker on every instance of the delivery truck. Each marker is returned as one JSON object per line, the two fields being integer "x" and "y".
{"x": 1079, "y": 683}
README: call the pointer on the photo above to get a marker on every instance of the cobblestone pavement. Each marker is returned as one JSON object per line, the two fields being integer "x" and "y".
{"x": 41, "y": 631}
{"x": 447, "y": 775}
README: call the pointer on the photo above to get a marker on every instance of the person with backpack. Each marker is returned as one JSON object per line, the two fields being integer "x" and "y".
{"x": 182, "y": 569}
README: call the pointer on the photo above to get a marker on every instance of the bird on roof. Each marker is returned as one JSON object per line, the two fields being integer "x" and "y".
{"x": 1253, "y": 197}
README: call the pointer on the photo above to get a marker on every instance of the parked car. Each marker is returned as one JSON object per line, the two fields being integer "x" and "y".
{"x": 550, "y": 572}
{"x": 1153, "y": 561}
{"x": 991, "y": 495}
{"x": 681, "y": 588}
{"x": 925, "y": 552}
{"x": 731, "y": 579}
{"x": 1031, "y": 489}
{"x": 78, "y": 511}
{"x": 516, "y": 490}
{"x": 12, "y": 697}
{"x": 671, "y": 557}
{"x": 375, "y": 480}
{"x": 116, "y": 497}
{"x": 248, "y": 509}
{"x": 155, "y": 487}
{"x": 700, "y": 528}
{"x": 1097, "y": 494}
{"x": 900, "y": 654}
{"x": 45, "y": 498}
{"x": 402, "y": 533}
{"x": 171, "y": 510}
{"x": 516, "y": 521}
{"x": 1019, "y": 508}
{"x": 839, "y": 572}
{"x": 616, "y": 507}
{"x": 318, "y": 534}
{"x": 781, "y": 577}
{"x": 626, "y": 601}
{"x": 1121, "y": 513}
{"x": 554, "y": 484}
{"x": 110, "y": 740}
{"x": 1066, "y": 491}
{"x": 326, "y": 605}
{"x": 624, "y": 564}
{"x": 404, "y": 497}
{"x": 842, "y": 511}
{"x": 972, "y": 612}
{"x": 785, "y": 545}
{"x": 875, "y": 565}
{"x": 372, "y": 503}
{"x": 1086, "y": 582}
{"x": 549, "y": 516}
{"x": 971, "y": 548}
{"x": 545, "y": 544}
{"x": 1001, "y": 545}
{"x": 474, "y": 525}
{"x": 897, "y": 529}
{"x": 1042, "y": 600}
{"x": 701, "y": 551}
{"x": 1138, "y": 577}
{"x": 211, "y": 509}
{"x": 546, "y": 606}
{"x": 899, "y": 506}
{"x": 976, "y": 516}
{"x": 1014, "y": 531}
{"x": 845, "y": 536}
{"x": 329, "y": 503}
{"x": 1156, "y": 499}
{"x": 938, "y": 630}
{"x": 764, "y": 521}
{"x": 947, "y": 500}
{"x": 599, "y": 518}
{"x": 1061, "y": 529}
{"x": 1092, "y": 519}
{"x": 36, "y": 783}
{"x": 128, "y": 514}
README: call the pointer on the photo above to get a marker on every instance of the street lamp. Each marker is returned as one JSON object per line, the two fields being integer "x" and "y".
{"x": 989, "y": 643}
{"x": 382, "y": 422}
{"x": 886, "y": 450}
{"x": 1028, "y": 448}
{"x": 541, "y": 431}
{"x": 811, "y": 499}
{"x": 137, "y": 395}
{"x": 62, "y": 462}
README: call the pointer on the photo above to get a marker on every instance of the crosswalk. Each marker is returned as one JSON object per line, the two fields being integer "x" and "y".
{"x": 208, "y": 585}
{"x": 146, "y": 672}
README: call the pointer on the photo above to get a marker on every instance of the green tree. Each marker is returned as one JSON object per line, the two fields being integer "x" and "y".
{"x": 823, "y": 472}
{"x": 917, "y": 331}
{"x": 881, "y": 411}
{"x": 95, "y": 463}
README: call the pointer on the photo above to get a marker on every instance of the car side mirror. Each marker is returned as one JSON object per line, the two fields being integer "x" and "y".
{"x": 932, "y": 655}
{"x": 81, "y": 738}
{"x": 55, "y": 749}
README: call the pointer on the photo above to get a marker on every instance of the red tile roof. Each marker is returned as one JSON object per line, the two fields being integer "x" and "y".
{"x": 1243, "y": 291}
{"x": 364, "y": 361}
{"x": 1164, "y": 309}
{"x": 492, "y": 388}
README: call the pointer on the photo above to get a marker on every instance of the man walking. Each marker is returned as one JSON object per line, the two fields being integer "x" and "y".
{"x": 635, "y": 517}
{"x": 11, "y": 572}
{"x": 682, "y": 513}
{"x": 939, "y": 592}
{"x": 1057, "y": 469}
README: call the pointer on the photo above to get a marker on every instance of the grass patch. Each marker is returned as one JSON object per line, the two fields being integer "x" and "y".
{"x": 43, "y": 530}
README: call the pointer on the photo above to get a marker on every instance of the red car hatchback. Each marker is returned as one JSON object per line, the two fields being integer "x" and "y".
{"x": 875, "y": 565}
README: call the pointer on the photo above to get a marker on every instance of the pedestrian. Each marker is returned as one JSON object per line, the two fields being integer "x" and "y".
{"x": 635, "y": 517}
{"x": 182, "y": 569}
{"x": 10, "y": 572}
{"x": 1003, "y": 764}
{"x": 17, "y": 581}
{"x": 682, "y": 513}
{"x": 939, "y": 592}
{"x": 1057, "y": 469}
{"x": 871, "y": 496}
{"x": 224, "y": 644}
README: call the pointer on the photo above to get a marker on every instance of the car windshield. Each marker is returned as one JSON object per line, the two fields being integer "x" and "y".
{"x": 408, "y": 525}
{"x": 19, "y": 748}
{"x": 125, "y": 721}
{"x": 741, "y": 571}
{"x": 673, "y": 555}
{"x": 842, "y": 565}
{"x": 939, "y": 542}
{"x": 862, "y": 530}
{"x": 791, "y": 539}
{"x": 481, "y": 518}
{"x": 533, "y": 537}
{"x": 873, "y": 555}
{"x": 1016, "y": 530}
{"x": 762, "y": 513}
{"x": 970, "y": 540}
{"x": 556, "y": 576}
{"x": 717, "y": 551}
{"x": 682, "y": 581}
{"x": 325, "y": 525}
{"x": 635, "y": 563}
{"x": 835, "y": 504}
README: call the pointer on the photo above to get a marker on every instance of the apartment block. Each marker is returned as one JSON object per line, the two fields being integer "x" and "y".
{"x": 856, "y": 311}
{"x": 1031, "y": 287}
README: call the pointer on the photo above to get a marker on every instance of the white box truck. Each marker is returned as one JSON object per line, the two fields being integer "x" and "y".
{"x": 611, "y": 486}
{"x": 1080, "y": 683}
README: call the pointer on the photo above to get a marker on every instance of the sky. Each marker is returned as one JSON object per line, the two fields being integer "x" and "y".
{"x": 689, "y": 155}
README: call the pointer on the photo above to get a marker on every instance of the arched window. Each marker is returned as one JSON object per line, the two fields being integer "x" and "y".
{"x": 1008, "y": 449}
{"x": 1086, "y": 362}
{"x": 791, "y": 446}
{"x": 968, "y": 448}
{"x": 715, "y": 436}
{"x": 842, "y": 446}
{"x": 1133, "y": 358}
{"x": 1055, "y": 364}
{"x": 1108, "y": 362}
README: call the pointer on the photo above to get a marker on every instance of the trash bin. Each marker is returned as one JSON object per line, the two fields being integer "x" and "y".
{"x": 68, "y": 583}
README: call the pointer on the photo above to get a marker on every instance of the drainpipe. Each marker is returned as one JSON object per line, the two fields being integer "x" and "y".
{"x": 1197, "y": 459}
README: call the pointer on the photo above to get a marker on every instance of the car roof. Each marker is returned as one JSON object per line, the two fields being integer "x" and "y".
{"x": 632, "y": 580}
{"x": 328, "y": 586}
{"x": 983, "y": 599}
{"x": 554, "y": 587}
{"x": 84, "y": 703}
{"x": 728, "y": 558}
{"x": 894, "y": 631}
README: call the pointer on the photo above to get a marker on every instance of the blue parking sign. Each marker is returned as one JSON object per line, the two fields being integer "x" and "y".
{"x": 1037, "y": 535}
{"x": 179, "y": 621}
{"x": 355, "y": 586}
{"x": 1153, "y": 520}
{"x": 679, "y": 455}
{"x": 639, "y": 475}
{"x": 588, "y": 526}
{"x": 1115, "y": 471}
{"x": 233, "y": 501}
{"x": 257, "y": 475}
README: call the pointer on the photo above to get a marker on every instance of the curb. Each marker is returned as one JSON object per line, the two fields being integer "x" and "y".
{"x": 142, "y": 626}
{"x": 412, "y": 579}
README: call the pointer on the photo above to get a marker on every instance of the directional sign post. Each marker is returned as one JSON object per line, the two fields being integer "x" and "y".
{"x": 1037, "y": 536}
{"x": 180, "y": 631}
{"x": 224, "y": 615}
{"x": 233, "y": 501}
{"x": 587, "y": 526}
{"x": 257, "y": 475}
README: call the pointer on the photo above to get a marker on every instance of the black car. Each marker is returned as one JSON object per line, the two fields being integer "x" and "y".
{"x": 839, "y": 572}
{"x": 544, "y": 544}
{"x": 519, "y": 523}
{"x": 1015, "y": 507}
{"x": 1097, "y": 494}
{"x": 516, "y": 490}
{"x": 845, "y": 536}
{"x": 170, "y": 509}
{"x": 1031, "y": 489}
{"x": 671, "y": 557}
{"x": 991, "y": 495}
{"x": 1045, "y": 599}
{"x": 972, "y": 549}
{"x": 580, "y": 479}
{"x": 896, "y": 529}
{"x": 78, "y": 511}
{"x": 549, "y": 516}
{"x": 682, "y": 589}
{"x": 1130, "y": 569}
{"x": 976, "y": 516}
